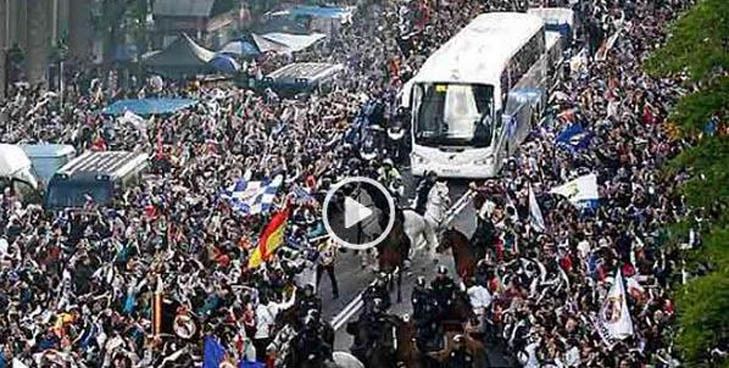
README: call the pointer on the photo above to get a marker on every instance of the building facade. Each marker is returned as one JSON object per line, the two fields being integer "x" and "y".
{"x": 30, "y": 31}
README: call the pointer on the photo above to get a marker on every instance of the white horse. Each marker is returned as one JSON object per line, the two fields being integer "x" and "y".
{"x": 422, "y": 230}
{"x": 342, "y": 359}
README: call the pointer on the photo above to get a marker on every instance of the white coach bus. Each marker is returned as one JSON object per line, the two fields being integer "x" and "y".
{"x": 477, "y": 97}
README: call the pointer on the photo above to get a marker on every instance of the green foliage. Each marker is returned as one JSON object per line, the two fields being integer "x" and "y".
{"x": 709, "y": 162}
{"x": 703, "y": 303}
{"x": 694, "y": 110}
{"x": 697, "y": 43}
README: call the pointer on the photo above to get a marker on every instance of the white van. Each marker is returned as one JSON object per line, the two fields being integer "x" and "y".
{"x": 16, "y": 171}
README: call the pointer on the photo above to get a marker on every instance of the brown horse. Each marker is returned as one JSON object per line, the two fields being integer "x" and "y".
{"x": 474, "y": 347}
{"x": 395, "y": 348}
{"x": 393, "y": 251}
{"x": 463, "y": 255}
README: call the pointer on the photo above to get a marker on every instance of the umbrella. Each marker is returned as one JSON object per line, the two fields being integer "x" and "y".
{"x": 239, "y": 48}
{"x": 225, "y": 64}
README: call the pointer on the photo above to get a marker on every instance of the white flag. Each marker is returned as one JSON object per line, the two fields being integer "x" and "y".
{"x": 613, "y": 320}
{"x": 582, "y": 191}
{"x": 535, "y": 213}
{"x": 18, "y": 364}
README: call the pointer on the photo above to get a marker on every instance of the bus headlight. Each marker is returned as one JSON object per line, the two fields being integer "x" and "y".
{"x": 417, "y": 158}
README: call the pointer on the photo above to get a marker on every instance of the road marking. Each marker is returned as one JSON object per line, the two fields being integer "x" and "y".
{"x": 357, "y": 303}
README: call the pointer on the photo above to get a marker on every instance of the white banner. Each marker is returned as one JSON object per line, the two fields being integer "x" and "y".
{"x": 579, "y": 190}
{"x": 613, "y": 321}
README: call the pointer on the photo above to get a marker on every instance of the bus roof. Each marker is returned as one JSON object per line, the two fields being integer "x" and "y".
{"x": 115, "y": 164}
{"x": 479, "y": 52}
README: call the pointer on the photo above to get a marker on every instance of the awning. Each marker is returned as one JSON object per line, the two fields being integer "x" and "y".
{"x": 148, "y": 106}
{"x": 285, "y": 42}
{"x": 239, "y": 48}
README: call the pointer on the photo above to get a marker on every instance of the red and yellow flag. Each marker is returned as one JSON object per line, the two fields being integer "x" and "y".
{"x": 271, "y": 238}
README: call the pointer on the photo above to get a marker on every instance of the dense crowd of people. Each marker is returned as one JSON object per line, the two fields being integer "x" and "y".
{"x": 77, "y": 287}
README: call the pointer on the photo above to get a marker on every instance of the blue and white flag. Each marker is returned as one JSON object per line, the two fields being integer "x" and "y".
{"x": 301, "y": 195}
{"x": 581, "y": 192}
{"x": 535, "y": 213}
{"x": 252, "y": 197}
{"x": 574, "y": 138}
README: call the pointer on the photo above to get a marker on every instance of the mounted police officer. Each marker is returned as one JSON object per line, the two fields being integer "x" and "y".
{"x": 376, "y": 290}
{"x": 312, "y": 343}
{"x": 368, "y": 330}
{"x": 459, "y": 357}
{"x": 443, "y": 289}
{"x": 424, "y": 187}
{"x": 425, "y": 310}
{"x": 307, "y": 302}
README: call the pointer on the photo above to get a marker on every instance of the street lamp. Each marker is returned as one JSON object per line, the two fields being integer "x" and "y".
{"x": 13, "y": 57}
{"x": 60, "y": 55}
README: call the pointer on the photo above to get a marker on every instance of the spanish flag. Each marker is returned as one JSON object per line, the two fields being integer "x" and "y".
{"x": 157, "y": 308}
{"x": 271, "y": 238}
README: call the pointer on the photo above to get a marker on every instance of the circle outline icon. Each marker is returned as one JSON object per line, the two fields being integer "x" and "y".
{"x": 390, "y": 220}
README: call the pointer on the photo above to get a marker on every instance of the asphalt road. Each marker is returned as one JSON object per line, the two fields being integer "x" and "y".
{"x": 353, "y": 278}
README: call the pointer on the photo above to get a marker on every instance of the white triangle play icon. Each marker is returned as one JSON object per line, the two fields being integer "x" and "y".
{"x": 354, "y": 212}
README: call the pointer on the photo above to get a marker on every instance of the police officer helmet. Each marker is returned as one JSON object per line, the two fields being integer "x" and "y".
{"x": 442, "y": 270}
{"x": 387, "y": 162}
{"x": 313, "y": 313}
{"x": 377, "y": 305}
{"x": 458, "y": 339}
{"x": 420, "y": 281}
{"x": 309, "y": 289}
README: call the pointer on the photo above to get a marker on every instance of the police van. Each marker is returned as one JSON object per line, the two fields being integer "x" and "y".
{"x": 94, "y": 177}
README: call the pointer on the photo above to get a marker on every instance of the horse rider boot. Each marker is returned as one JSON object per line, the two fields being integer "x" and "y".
{"x": 443, "y": 289}
{"x": 459, "y": 357}
{"x": 424, "y": 187}
{"x": 374, "y": 291}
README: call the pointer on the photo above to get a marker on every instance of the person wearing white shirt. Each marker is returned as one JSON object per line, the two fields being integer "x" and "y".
{"x": 480, "y": 299}
{"x": 266, "y": 313}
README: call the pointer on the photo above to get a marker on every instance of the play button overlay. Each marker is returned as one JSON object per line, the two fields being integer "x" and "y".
{"x": 358, "y": 212}
{"x": 355, "y": 212}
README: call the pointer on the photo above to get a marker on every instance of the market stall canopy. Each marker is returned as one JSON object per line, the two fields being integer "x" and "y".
{"x": 285, "y": 42}
{"x": 148, "y": 106}
{"x": 183, "y": 56}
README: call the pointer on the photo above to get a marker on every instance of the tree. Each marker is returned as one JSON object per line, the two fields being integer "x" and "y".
{"x": 698, "y": 48}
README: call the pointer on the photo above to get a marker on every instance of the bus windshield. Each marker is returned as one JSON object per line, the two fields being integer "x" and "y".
{"x": 64, "y": 193}
{"x": 448, "y": 114}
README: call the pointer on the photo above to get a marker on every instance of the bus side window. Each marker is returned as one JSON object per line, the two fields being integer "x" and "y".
{"x": 505, "y": 87}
